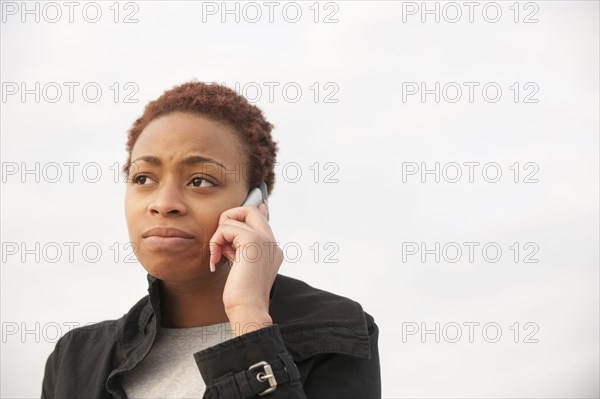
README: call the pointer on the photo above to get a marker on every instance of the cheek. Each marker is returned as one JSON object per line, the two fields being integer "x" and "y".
{"x": 132, "y": 213}
{"x": 205, "y": 221}
{"x": 207, "y": 215}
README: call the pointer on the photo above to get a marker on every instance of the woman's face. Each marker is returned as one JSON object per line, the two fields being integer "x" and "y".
{"x": 174, "y": 182}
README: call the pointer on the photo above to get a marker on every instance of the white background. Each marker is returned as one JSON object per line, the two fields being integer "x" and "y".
{"x": 367, "y": 135}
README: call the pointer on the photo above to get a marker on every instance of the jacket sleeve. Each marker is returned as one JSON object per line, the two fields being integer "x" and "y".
{"x": 228, "y": 373}
{"x": 225, "y": 369}
{"x": 334, "y": 375}
{"x": 50, "y": 373}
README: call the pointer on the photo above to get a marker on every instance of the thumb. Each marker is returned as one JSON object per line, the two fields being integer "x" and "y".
{"x": 264, "y": 208}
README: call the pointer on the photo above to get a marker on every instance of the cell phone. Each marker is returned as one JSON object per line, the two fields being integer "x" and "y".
{"x": 257, "y": 196}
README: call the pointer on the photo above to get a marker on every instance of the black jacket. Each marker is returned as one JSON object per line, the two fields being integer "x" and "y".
{"x": 320, "y": 345}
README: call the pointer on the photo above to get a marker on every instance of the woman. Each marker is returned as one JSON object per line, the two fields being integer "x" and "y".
{"x": 219, "y": 321}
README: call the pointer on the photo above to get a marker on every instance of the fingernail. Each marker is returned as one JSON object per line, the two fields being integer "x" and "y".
{"x": 212, "y": 267}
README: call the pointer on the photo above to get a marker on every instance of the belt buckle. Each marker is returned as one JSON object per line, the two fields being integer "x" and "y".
{"x": 265, "y": 375}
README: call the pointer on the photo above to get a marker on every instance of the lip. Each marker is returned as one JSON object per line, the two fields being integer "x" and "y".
{"x": 167, "y": 238}
{"x": 167, "y": 232}
{"x": 168, "y": 243}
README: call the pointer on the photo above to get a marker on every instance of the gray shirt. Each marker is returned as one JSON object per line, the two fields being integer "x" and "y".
{"x": 169, "y": 370}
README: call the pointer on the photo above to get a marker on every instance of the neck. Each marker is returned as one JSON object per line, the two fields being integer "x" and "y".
{"x": 194, "y": 303}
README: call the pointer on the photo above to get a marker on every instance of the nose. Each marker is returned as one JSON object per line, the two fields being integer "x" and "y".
{"x": 168, "y": 200}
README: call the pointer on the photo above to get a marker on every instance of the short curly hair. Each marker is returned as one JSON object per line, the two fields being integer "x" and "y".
{"x": 222, "y": 104}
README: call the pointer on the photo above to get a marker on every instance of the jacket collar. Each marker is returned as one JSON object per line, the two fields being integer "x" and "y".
{"x": 310, "y": 320}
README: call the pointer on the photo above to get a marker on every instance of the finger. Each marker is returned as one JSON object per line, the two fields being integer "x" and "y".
{"x": 227, "y": 234}
{"x": 229, "y": 248}
{"x": 241, "y": 225}
{"x": 264, "y": 208}
{"x": 248, "y": 214}
{"x": 221, "y": 254}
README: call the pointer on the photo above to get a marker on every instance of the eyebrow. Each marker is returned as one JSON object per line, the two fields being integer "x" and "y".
{"x": 191, "y": 160}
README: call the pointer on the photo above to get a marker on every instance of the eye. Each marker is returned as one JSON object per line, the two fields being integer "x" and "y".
{"x": 201, "y": 182}
{"x": 141, "y": 179}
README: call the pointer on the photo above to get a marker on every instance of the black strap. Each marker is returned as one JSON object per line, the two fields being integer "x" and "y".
{"x": 245, "y": 384}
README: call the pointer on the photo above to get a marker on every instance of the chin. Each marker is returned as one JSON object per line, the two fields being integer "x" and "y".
{"x": 176, "y": 271}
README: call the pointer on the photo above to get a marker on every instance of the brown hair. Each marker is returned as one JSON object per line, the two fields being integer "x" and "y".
{"x": 222, "y": 104}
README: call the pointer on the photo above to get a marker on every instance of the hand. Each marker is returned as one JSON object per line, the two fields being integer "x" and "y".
{"x": 245, "y": 238}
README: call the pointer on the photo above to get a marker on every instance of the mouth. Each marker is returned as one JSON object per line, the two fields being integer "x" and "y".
{"x": 167, "y": 243}
{"x": 167, "y": 238}
{"x": 167, "y": 232}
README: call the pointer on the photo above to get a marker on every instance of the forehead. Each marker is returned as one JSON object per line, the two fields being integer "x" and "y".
{"x": 174, "y": 136}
